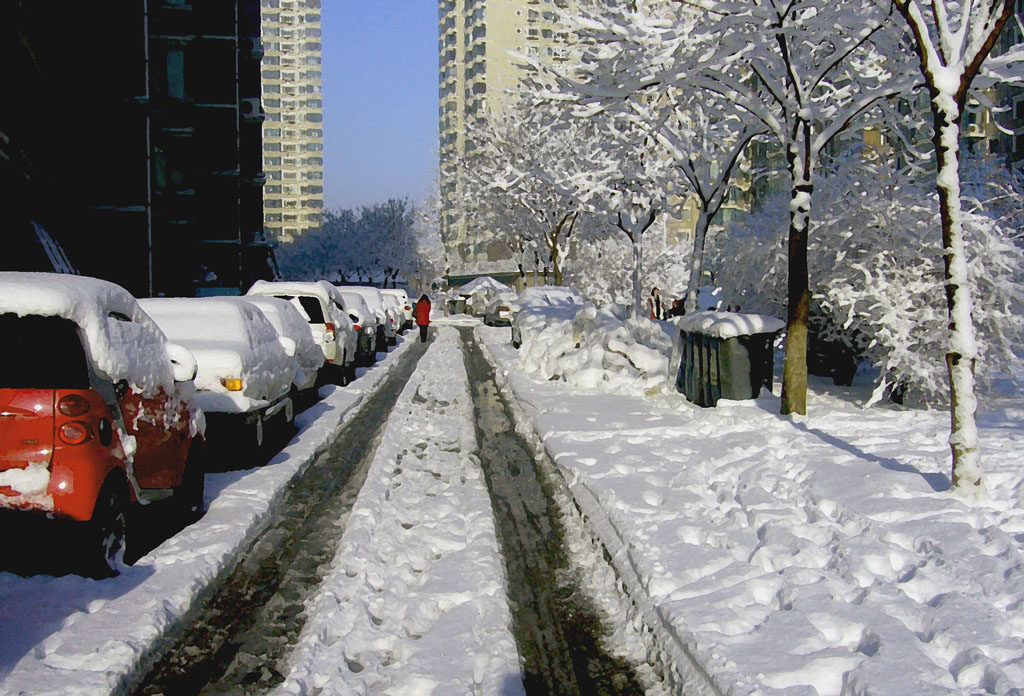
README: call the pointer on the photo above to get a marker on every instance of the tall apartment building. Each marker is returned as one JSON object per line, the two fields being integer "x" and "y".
{"x": 293, "y": 158}
{"x": 478, "y": 74}
{"x": 140, "y": 157}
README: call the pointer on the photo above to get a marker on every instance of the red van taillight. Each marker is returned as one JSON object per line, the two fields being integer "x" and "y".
{"x": 357, "y": 327}
{"x": 75, "y": 432}
{"x": 73, "y": 405}
{"x": 330, "y": 332}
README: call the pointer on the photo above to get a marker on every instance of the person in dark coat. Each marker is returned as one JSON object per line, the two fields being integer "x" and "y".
{"x": 423, "y": 316}
{"x": 655, "y": 308}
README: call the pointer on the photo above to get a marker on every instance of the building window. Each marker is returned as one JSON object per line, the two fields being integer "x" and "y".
{"x": 176, "y": 74}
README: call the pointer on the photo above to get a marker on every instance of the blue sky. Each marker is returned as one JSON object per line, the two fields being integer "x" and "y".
{"x": 380, "y": 100}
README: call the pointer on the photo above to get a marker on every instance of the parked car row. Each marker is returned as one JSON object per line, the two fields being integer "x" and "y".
{"x": 107, "y": 401}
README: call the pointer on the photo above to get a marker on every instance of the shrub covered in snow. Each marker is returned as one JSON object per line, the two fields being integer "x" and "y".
{"x": 876, "y": 277}
{"x": 593, "y": 347}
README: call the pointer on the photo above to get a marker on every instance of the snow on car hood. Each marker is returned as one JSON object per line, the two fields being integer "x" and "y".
{"x": 130, "y": 350}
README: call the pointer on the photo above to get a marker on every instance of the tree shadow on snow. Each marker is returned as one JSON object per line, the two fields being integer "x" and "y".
{"x": 938, "y": 482}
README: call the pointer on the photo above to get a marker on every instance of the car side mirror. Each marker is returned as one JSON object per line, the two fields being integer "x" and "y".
{"x": 183, "y": 363}
{"x": 288, "y": 344}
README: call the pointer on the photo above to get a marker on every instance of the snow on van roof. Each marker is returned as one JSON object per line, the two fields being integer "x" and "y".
{"x": 482, "y": 283}
{"x": 189, "y": 320}
{"x": 132, "y": 350}
{"x": 320, "y": 288}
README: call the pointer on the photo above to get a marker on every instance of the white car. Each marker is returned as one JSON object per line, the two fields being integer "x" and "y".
{"x": 499, "y": 311}
{"x": 396, "y": 313}
{"x": 290, "y": 321}
{"x": 245, "y": 368}
{"x": 403, "y": 298}
{"x": 329, "y": 320}
{"x": 539, "y": 297}
{"x": 386, "y": 327}
{"x": 366, "y": 320}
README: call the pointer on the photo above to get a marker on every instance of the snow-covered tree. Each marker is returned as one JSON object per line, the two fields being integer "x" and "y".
{"x": 431, "y": 262}
{"x": 374, "y": 244}
{"x": 807, "y": 70}
{"x": 954, "y": 40}
{"x": 876, "y": 270}
{"x": 526, "y": 176}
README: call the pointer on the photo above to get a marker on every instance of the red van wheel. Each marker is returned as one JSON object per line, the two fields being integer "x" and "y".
{"x": 106, "y": 532}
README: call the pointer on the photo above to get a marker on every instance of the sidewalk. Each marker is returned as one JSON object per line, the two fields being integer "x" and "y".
{"x": 818, "y": 557}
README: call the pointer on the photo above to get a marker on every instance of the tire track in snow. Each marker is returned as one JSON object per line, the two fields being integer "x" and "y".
{"x": 238, "y": 637}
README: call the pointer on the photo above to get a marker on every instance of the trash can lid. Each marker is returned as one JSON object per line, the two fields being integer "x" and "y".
{"x": 728, "y": 324}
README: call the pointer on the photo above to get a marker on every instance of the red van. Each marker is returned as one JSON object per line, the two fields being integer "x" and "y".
{"x": 95, "y": 411}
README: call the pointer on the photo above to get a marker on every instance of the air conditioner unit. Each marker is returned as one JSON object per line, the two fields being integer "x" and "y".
{"x": 251, "y": 109}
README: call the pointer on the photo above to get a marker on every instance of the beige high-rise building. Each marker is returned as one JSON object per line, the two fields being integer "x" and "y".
{"x": 478, "y": 43}
{"x": 293, "y": 157}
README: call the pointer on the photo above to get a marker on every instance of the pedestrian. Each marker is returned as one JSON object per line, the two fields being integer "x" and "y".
{"x": 655, "y": 308}
{"x": 423, "y": 316}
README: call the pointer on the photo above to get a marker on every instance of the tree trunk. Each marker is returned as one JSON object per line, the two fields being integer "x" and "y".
{"x": 700, "y": 234}
{"x": 638, "y": 267}
{"x": 794, "y": 373}
{"x": 962, "y": 353}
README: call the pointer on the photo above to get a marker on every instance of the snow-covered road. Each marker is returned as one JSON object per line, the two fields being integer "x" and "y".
{"x": 764, "y": 555}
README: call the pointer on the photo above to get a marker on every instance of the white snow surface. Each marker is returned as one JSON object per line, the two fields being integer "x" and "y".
{"x": 414, "y": 602}
{"x": 826, "y": 557}
{"x": 230, "y": 338}
{"x": 70, "y": 636}
{"x": 728, "y": 324}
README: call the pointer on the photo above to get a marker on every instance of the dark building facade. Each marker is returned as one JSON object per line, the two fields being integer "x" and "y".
{"x": 131, "y": 133}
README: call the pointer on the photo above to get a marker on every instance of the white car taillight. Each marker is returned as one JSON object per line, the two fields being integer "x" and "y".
{"x": 330, "y": 332}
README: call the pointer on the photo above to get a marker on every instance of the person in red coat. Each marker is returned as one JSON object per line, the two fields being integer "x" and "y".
{"x": 423, "y": 316}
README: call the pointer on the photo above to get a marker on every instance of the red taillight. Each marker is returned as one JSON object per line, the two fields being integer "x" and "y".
{"x": 357, "y": 327}
{"x": 75, "y": 432}
{"x": 330, "y": 332}
{"x": 73, "y": 405}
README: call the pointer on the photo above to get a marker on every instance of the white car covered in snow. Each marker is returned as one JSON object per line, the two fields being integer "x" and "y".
{"x": 329, "y": 319}
{"x": 245, "y": 368}
{"x": 387, "y": 329}
{"x": 291, "y": 322}
{"x": 404, "y": 301}
{"x": 365, "y": 321}
{"x": 539, "y": 299}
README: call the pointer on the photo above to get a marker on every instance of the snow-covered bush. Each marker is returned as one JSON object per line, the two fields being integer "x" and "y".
{"x": 876, "y": 276}
{"x": 597, "y": 348}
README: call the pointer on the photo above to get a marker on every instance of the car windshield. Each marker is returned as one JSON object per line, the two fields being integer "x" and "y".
{"x": 41, "y": 353}
{"x": 310, "y": 305}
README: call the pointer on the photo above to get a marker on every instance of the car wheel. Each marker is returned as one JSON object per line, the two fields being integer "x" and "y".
{"x": 106, "y": 532}
{"x": 193, "y": 485}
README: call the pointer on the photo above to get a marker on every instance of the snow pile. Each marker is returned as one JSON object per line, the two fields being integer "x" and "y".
{"x": 824, "y": 557}
{"x": 594, "y": 348}
{"x": 414, "y": 601}
{"x": 121, "y": 340}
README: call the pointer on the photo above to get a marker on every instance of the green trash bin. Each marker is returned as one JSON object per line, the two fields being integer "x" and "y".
{"x": 724, "y": 355}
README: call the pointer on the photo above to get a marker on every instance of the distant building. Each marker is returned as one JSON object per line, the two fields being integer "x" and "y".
{"x": 131, "y": 134}
{"x": 478, "y": 74}
{"x": 293, "y": 158}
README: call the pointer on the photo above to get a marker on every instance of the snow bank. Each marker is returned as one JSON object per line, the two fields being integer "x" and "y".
{"x": 414, "y": 602}
{"x": 825, "y": 558}
{"x": 594, "y": 348}
{"x": 73, "y": 636}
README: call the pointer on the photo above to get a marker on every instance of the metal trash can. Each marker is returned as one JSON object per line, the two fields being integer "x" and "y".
{"x": 725, "y": 355}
